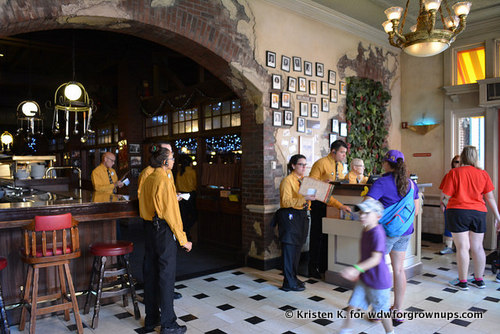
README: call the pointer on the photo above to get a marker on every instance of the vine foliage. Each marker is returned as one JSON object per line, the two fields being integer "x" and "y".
{"x": 366, "y": 103}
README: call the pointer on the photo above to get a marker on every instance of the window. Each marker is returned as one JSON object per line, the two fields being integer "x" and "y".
{"x": 470, "y": 130}
{"x": 185, "y": 121}
{"x": 470, "y": 65}
{"x": 157, "y": 126}
{"x": 104, "y": 135}
{"x": 222, "y": 114}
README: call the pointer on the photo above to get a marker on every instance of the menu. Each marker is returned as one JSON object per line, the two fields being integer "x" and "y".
{"x": 322, "y": 190}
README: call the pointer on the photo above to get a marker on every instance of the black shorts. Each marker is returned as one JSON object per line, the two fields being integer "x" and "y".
{"x": 461, "y": 220}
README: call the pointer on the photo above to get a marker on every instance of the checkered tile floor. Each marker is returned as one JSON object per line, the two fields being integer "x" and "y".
{"x": 249, "y": 301}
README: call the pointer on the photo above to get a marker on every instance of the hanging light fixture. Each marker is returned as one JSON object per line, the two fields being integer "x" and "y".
{"x": 424, "y": 39}
{"x": 6, "y": 139}
{"x": 71, "y": 98}
{"x": 29, "y": 111}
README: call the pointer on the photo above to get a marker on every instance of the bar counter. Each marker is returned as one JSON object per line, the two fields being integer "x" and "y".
{"x": 96, "y": 213}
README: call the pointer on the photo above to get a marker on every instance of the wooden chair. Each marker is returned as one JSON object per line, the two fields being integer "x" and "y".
{"x": 46, "y": 244}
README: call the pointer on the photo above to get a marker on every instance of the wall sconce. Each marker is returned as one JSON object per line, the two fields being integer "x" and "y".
{"x": 422, "y": 129}
{"x": 6, "y": 139}
{"x": 29, "y": 111}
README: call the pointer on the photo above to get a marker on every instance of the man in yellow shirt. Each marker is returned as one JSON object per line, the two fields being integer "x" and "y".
{"x": 356, "y": 175}
{"x": 104, "y": 177}
{"x": 159, "y": 208}
{"x": 329, "y": 168}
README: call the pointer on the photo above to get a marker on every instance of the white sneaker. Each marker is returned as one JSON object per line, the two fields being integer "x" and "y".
{"x": 446, "y": 250}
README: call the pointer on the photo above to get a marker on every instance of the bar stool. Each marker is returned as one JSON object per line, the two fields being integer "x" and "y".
{"x": 4, "y": 325}
{"x": 39, "y": 252}
{"x": 121, "y": 270}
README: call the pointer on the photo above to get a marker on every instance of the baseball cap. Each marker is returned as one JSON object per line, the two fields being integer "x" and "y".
{"x": 393, "y": 156}
{"x": 370, "y": 205}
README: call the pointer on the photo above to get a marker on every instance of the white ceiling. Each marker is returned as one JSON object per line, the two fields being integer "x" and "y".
{"x": 371, "y": 12}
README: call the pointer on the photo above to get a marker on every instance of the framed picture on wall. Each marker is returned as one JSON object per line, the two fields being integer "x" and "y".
{"x": 333, "y": 137}
{"x": 314, "y": 110}
{"x": 285, "y": 63}
{"x": 333, "y": 95}
{"x": 320, "y": 70}
{"x": 304, "y": 109}
{"x": 275, "y": 100}
{"x": 288, "y": 119}
{"x": 343, "y": 129}
{"x": 342, "y": 88}
{"x": 308, "y": 68}
{"x": 271, "y": 59}
{"x": 325, "y": 105}
{"x": 292, "y": 84}
{"x": 313, "y": 88}
{"x": 134, "y": 148}
{"x": 335, "y": 125}
{"x": 277, "y": 118}
{"x": 285, "y": 100}
{"x": 135, "y": 161}
{"x": 276, "y": 81}
{"x": 302, "y": 84}
{"x": 324, "y": 88}
{"x": 297, "y": 64}
{"x": 332, "y": 77}
{"x": 301, "y": 124}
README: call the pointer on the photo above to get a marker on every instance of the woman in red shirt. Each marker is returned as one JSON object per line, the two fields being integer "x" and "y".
{"x": 465, "y": 187}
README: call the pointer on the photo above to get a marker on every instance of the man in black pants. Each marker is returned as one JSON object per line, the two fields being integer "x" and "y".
{"x": 326, "y": 169}
{"x": 159, "y": 208}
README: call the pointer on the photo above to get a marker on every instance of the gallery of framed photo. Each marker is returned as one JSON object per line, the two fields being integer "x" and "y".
{"x": 292, "y": 84}
{"x": 314, "y": 110}
{"x": 297, "y": 64}
{"x": 332, "y": 77}
{"x": 304, "y": 109}
{"x": 333, "y": 137}
{"x": 342, "y": 88}
{"x": 333, "y": 95}
{"x": 276, "y": 81}
{"x": 320, "y": 70}
{"x": 313, "y": 87}
{"x": 288, "y": 117}
{"x": 324, "y": 88}
{"x": 275, "y": 100}
{"x": 343, "y": 129}
{"x": 302, "y": 84}
{"x": 335, "y": 125}
{"x": 301, "y": 124}
{"x": 271, "y": 59}
{"x": 285, "y": 63}
{"x": 308, "y": 68}
{"x": 134, "y": 148}
{"x": 325, "y": 105}
{"x": 285, "y": 100}
{"x": 277, "y": 118}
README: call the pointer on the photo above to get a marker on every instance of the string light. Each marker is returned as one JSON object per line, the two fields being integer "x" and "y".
{"x": 190, "y": 144}
{"x": 224, "y": 144}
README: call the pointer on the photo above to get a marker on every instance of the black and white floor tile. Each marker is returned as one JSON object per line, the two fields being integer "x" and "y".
{"x": 249, "y": 301}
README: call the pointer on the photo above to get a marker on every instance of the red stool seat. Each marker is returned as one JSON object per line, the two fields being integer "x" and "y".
{"x": 3, "y": 262}
{"x": 112, "y": 248}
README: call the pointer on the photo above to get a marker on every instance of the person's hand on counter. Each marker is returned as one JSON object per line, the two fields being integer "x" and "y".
{"x": 188, "y": 246}
{"x": 345, "y": 208}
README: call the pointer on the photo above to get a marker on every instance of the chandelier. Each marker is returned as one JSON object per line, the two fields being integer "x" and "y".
{"x": 29, "y": 111}
{"x": 424, "y": 39}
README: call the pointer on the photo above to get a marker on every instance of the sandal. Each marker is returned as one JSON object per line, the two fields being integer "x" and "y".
{"x": 393, "y": 312}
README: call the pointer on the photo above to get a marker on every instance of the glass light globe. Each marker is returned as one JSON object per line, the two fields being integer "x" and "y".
{"x": 387, "y": 26}
{"x": 29, "y": 109}
{"x": 426, "y": 49}
{"x": 393, "y": 13}
{"x": 462, "y": 8}
{"x": 432, "y": 4}
{"x": 73, "y": 92}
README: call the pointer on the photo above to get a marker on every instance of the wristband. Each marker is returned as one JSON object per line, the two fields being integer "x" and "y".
{"x": 358, "y": 268}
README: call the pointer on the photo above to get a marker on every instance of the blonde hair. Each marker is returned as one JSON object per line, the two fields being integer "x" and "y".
{"x": 469, "y": 156}
{"x": 356, "y": 161}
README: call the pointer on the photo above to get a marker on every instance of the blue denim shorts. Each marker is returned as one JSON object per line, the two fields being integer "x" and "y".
{"x": 364, "y": 296}
{"x": 398, "y": 244}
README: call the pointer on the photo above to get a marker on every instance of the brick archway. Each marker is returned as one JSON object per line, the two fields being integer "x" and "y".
{"x": 205, "y": 31}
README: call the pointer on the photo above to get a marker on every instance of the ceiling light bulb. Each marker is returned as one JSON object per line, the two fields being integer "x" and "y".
{"x": 393, "y": 13}
{"x": 451, "y": 22}
{"x": 413, "y": 28}
{"x": 73, "y": 92}
{"x": 387, "y": 26}
{"x": 29, "y": 109}
{"x": 462, "y": 8}
{"x": 432, "y": 4}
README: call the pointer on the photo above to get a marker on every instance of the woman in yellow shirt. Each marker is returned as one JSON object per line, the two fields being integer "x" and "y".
{"x": 186, "y": 182}
{"x": 293, "y": 222}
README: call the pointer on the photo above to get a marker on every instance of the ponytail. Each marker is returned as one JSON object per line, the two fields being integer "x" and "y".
{"x": 399, "y": 172}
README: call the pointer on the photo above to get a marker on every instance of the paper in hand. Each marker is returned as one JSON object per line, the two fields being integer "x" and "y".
{"x": 185, "y": 196}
